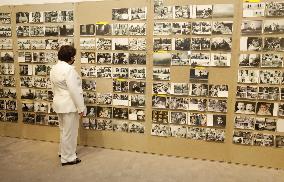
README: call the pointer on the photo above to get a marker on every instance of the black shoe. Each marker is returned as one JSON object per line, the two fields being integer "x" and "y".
{"x": 60, "y": 155}
{"x": 76, "y": 161}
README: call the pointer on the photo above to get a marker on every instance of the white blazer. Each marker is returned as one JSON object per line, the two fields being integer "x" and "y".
{"x": 67, "y": 89}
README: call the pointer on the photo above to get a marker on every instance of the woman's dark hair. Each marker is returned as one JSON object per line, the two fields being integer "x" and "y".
{"x": 66, "y": 52}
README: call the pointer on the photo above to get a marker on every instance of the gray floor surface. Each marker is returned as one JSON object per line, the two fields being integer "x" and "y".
{"x": 28, "y": 160}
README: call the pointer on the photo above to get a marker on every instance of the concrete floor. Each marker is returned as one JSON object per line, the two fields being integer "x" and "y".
{"x": 27, "y": 160}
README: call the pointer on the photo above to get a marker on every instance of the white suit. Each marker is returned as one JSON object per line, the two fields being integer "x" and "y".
{"x": 67, "y": 102}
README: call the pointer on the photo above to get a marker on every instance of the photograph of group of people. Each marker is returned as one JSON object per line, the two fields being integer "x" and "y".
{"x": 45, "y": 17}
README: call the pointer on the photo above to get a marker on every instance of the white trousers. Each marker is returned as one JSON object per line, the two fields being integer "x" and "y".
{"x": 68, "y": 126}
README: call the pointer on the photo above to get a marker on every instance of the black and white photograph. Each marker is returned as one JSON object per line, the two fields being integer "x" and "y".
{"x": 37, "y": 31}
{"x": 50, "y": 16}
{"x": 137, "y": 28}
{"x": 137, "y": 58}
{"x": 220, "y": 59}
{"x": 51, "y": 44}
{"x": 24, "y": 44}
{"x": 65, "y": 16}
{"x": 89, "y": 85}
{"x": 215, "y": 135}
{"x": 223, "y": 10}
{"x": 179, "y": 89}
{"x": 120, "y": 113}
{"x": 216, "y": 120}
{"x": 204, "y": 11}
{"x": 11, "y": 117}
{"x": 279, "y": 141}
{"x": 201, "y": 28}
{"x": 253, "y": 9}
{"x": 38, "y": 57}
{"x": 261, "y": 139}
{"x": 198, "y": 74}
{"x": 53, "y": 120}
{"x": 200, "y": 43}
{"x": 5, "y": 18}
{"x": 197, "y": 119}
{"x": 161, "y": 88}
{"x": 268, "y": 93}
{"x": 161, "y": 74}
{"x": 244, "y": 122}
{"x": 248, "y": 76}
{"x": 23, "y": 31}
{"x": 272, "y": 44}
{"x": 251, "y": 27}
{"x": 120, "y": 72}
{"x": 162, "y": 28}
{"x": 8, "y": 80}
{"x": 198, "y": 89}
{"x": 26, "y": 70}
{"x": 137, "y": 44}
{"x": 7, "y": 69}
{"x": 274, "y": 9}
{"x": 181, "y": 12}
{"x": 217, "y": 105}
{"x": 101, "y": 124}
{"x": 181, "y": 28}
{"x": 104, "y": 71}
{"x": 120, "y": 125}
{"x": 40, "y": 106}
{"x": 136, "y": 127}
{"x": 163, "y": 12}
{"x": 177, "y": 131}
{"x": 281, "y": 110}
{"x": 178, "y": 103}
{"x": 218, "y": 90}
{"x": 26, "y": 81}
{"x": 245, "y": 107}
{"x": 251, "y": 44}
{"x": 87, "y": 30}
{"x": 272, "y": 60}
{"x": 137, "y": 101}
{"x": 222, "y": 27}
{"x": 51, "y": 30}
{"x": 88, "y": 71}
{"x": 27, "y": 93}
{"x": 160, "y": 102}
{"x": 104, "y": 58}
{"x": 104, "y": 98}
{"x": 120, "y": 58}
{"x": 221, "y": 44}
{"x": 41, "y": 119}
{"x": 273, "y": 27}
{"x": 104, "y": 112}
{"x": 137, "y": 87}
{"x": 243, "y": 137}
{"x": 196, "y": 133}
{"x": 91, "y": 111}
{"x": 5, "y": 31}
{"x": 88, "y": 57}
{"x": 162, "y": 44}
{"x": 40, "y": 44}
{"x": 51, "y": 57}
{"x": 120, "y": 99}
{"x": 89, "y": 97}
{"x": 266, "y": 109}
{"x": 120, "y": 44}
{"x": 180, "y": 59}
{"x": 120, "y": 29}
{"x": 265, "y": 124}
{"x": 181, "y": 44}
{"x": 9, "y": 93}
{"x": 7, "y": 44}
{"x": 120, "y": 86}
{"x": 138, "y": 73}
{"x": 200, "y": 59}
{"x": 160, "y": 116}
{"x": 22, "y": 17}
{"x": 121, "y": 14}
{"x": 160, "y": 130}
{"x": 249, "y": 60}
{"x": 103, "y": 29}
{"x": 136, "y": 114}
{"x": 36, "y": 17}
{"x": 27, "y": 106}
{"x": 40, "y": 70}
{"x": 87, "y": 43}
{"x": 270, "y": 76}
{"x": 28, "y": 118}
{"x": 138, "y": 13}
{"x": 177, "y": 117}
{"x": 66, "y": 30}
{"x": 197, "y": 104}
{"x": 162, "y": 59}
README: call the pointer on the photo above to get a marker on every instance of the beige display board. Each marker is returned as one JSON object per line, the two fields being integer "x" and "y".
{"x": 92, "y": 12}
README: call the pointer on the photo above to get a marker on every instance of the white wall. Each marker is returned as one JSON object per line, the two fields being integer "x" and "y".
{"x": 18, "y": 2}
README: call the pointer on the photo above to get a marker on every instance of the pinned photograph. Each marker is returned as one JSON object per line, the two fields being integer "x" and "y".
{"x": 53, "y": 120}
{"x": 267, "y": 124}
{"x": 120, "y": 14}
{"x": 36, "y": 17}
{"x": 220, "y": 59}
{"x": 88, "y": 71}
{"x": 177, "y": 131}
{"x": 120, "y": 72}
{"x": 104, "y": 72}
{"x": 23, "y": 31}
{"x": 51, "y": 57}
{"x": 40, "y": 44}
{"x": 162, "y": 28}
{"x": 27, "y": 106}
{"x": 27, "y": 93}
{"x": 137, "y": 28}
{"x": 7, "y": 44}
{"x": 274, "y": 9}
{"x": 38, "y": 57}
{"x": 273, "y": 27}
{"x": 120, "y": 44}
{"x": 161, "y": 88}
{"x": 138, "y": 73}
{"x": 136, "y": 114}
{"x": 89, "y": 85}
{"x": 120, "y": 86}
{"x": 136, "y": 127}
{"x": 120, "y": 58}
{"x": 65, "y": 16}
{"x": 270, "y": 76}
{"x": 40, "y": 106}
{"x": 120, "y": 29}
{"x": 104, "y": 58}
{"x": 268, "y": 93}
{"x": 24, "y": 44}
{"x": 181, "y": 28}
{"x": 243, "y": 137}
{"x": 223, "y": 10}
{"x": 26, "y": 70}
{"x": 136, "y": 87}
{"x": 200, "y": 59}
{"x": 181, "y": 12}
{"x": 216, "y": 120}
{"x": 28, "y": 118}
{"x": 245, "y": 107}
{"x": 216, "y": 105}
{"x": 88, "y": 57}
{"x": 163, "y": 12}
{"x": 5, "y": 18}
{"x": 89, "y": 97}
{"x": 182, "y": 44}
{"x": 7, "y": 57}
{"x": 196, "y": 133}
{"x": 272, "y": 44}
{"x": 120, "y": 99}
{"x": 11, "y": 117}
{"x": 22, "y": 17}
{"x": 215, "y": 135}
{"x": 261, "y": 139}
{"x": 41, "y": 119}
{"x": 201, "y": 28}
{"x": 91, "y": 111}
{"x": 88, "y": 43}
{"x": 202, "y": 44}
{"x": 50, "y": 16}
{"x": 249, "y": 60}
{"x": 266, "y": 109}
{"x": 103, "y": 29}
{"x": 178, "y": 103}
{"x": 197, "y": 104}
{"x": 160, "y": 130}
{"x": 252, "y": 92}
{"x": 162, "y": 44}
{"x": 66, "y": 30}
{"x": 40, "y": 82}
{"x": 204, "y": 11}
{"x": 160, "y": 102}
{"x": 101, "y": 124}
{"x": 26, "y": 81}
{"x": 160, "y": 116}
{"x": 120, "y": 125}
{"x": 9, "y": 93}
{"x": 137, "y": 101}
{"x": 161, "y": 59}
{"x": 272, "y": 60}
{"x": 137, "y": 44}
{"x": 51, "y": 44}
{"x": 251, "y": 27}
{"x": 137, "y": 58}
{"x": 197, "y": 89}
{"x": 199, "y": 74}
{"x": 221, "y": 44}
{"x": 222, "y": 27}
{"x": 120, "y": 113}
{"x": 87, "y": 30}
{"x": 253, "y": 9}
{"x": 104, "y": 98}
{"x": 248, "y": 76}
{"x": 180, "y": 59}
{"x": 179, "y": 89}
{"x": 161, "y": 74}
{"x": 104, "y": 112}
{"x": 178, "y": 117}
{"x": 5, "y": 31}
{"x": 251, "y": 43}
{"x": 138, "y": 13}
{"x": 218, "y": 90}
{"x": 7, "y": 69}
{"x": 279, "y": 141}
{"x": 197, "y": 119}
{"x": 8, "y": 81}
{"x": 244, "y": 122}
